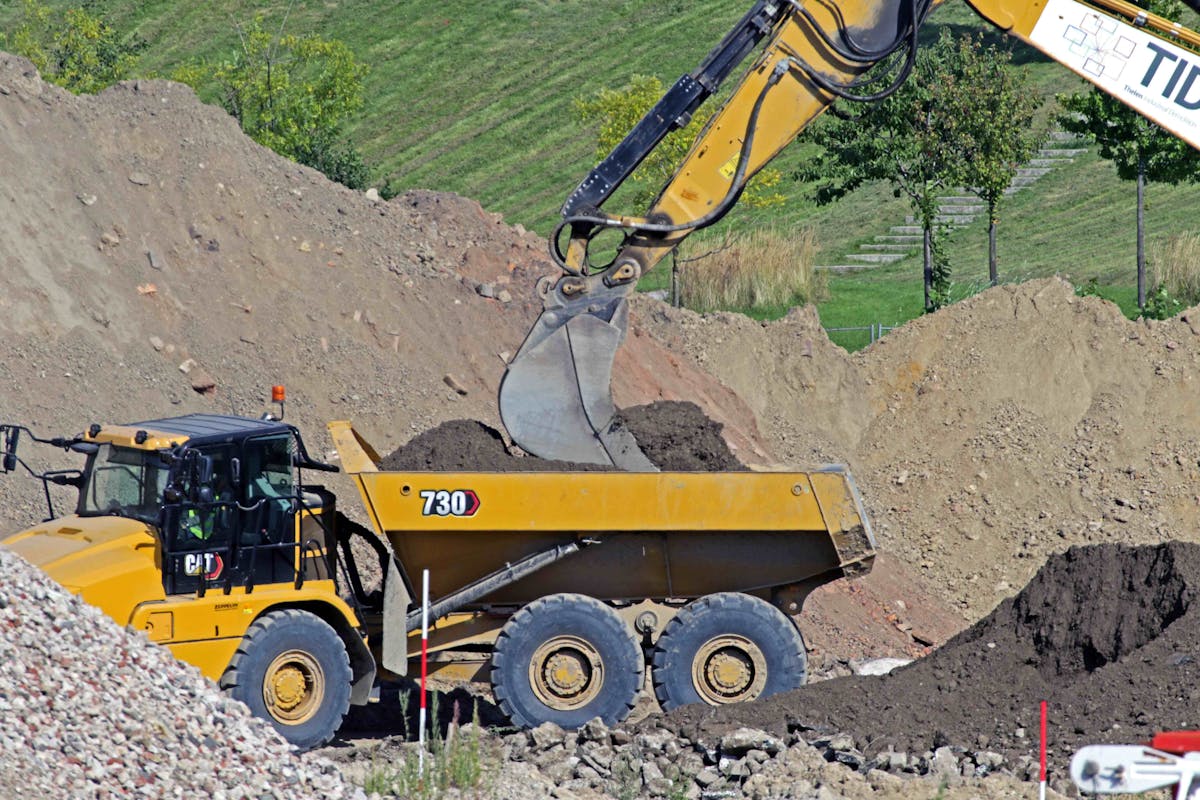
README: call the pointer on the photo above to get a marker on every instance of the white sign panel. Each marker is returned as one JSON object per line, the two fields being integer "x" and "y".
{"x": 1159, "y": 79}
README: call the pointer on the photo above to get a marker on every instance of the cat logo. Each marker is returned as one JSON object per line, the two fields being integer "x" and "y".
{"x": 209, "y": 564}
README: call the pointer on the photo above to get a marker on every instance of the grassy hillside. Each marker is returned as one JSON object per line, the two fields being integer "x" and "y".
{"x": 476, "y": 98}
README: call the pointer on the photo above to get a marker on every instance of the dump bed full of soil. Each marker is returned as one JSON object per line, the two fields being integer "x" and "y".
{"x": 676, "y": 436}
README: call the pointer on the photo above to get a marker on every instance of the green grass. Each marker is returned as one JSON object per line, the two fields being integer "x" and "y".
{"x": 1077, "y": 222}
{"x": 476, "y": 98}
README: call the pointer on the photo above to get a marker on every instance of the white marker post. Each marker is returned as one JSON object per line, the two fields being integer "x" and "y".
{"x": 424, "y": 671}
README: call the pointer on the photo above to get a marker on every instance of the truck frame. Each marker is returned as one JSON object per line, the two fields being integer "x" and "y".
{"x": 564, "y": 590}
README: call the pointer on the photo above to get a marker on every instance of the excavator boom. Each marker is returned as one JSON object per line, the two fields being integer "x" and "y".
{"x": 556, "y": 398}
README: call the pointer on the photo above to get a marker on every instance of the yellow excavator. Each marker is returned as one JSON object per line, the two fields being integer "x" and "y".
{"x": 555, "y": 399}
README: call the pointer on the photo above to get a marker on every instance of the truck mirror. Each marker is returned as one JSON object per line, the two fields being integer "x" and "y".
{"x": 235, "y": 472}
{"x": 10, "y": 447}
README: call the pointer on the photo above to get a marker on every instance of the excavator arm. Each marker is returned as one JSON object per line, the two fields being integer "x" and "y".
{"x": 556, "y": 398}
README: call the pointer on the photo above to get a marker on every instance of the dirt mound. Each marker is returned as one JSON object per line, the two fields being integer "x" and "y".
{"x": 157, "y": 261}
{"x": 1104, "y": 633}
{"x": 986, "y": 436}
{"x": 675, "y": 436}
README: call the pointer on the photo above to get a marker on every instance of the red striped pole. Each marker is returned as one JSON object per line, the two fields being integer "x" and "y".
{"x": 424, "y": 670}
{"x": 1042, "y": 777}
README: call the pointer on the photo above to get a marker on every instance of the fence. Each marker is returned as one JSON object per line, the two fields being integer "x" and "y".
{"x": 851, "y": 337}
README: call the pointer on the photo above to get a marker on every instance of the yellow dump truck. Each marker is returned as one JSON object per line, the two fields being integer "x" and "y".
{"x": 561, "y": 589}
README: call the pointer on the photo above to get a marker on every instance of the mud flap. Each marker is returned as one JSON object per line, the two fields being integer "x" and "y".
{"x": 395, "y": 615}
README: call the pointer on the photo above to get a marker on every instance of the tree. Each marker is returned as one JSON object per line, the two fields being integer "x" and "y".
{"x": 1140, "y": 150}
{"x": 915, "y": 139}
{"x": 998, "y": 104}
{"x": 293, "y": 94}
{"x": 614, "y": 112}
{"x": 74, "y": 49}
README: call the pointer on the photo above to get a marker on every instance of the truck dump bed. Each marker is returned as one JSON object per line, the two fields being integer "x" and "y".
{"x": 643, "y": 535}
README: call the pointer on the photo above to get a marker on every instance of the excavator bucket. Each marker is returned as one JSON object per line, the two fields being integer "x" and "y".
{"x": 556, "y": 396}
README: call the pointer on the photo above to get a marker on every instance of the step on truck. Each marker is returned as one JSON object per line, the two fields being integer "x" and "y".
{"x": 568, "y": 592}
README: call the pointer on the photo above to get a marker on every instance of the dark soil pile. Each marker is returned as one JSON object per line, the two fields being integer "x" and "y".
{"x": 675, "y": 436}
{"x": 466, "y": 445}
{"x": 1105, "y": 633}
{"x": 678, "y": 437}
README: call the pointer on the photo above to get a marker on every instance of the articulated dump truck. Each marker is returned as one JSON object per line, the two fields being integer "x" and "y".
{"x": 563, "y": 590}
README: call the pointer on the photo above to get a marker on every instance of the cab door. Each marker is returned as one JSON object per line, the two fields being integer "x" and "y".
{"x": 200, "y": 520}
{"x": 269, "y": 499}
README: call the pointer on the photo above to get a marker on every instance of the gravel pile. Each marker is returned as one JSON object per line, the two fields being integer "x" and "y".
{"x": 91, "y": 710}
{"x": 645, "y": 761}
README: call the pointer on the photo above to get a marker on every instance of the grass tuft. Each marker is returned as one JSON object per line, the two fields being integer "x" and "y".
{"x": 764, "y": 267}
{"x": 1175, "y": 266}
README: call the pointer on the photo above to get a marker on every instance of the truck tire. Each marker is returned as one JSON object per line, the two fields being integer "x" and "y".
{"x": 292, "y": 670}
{"x": 566, "y": 658}
{"x": 727, "y": 648}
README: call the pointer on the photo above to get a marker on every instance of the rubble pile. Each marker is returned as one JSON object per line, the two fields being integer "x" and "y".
{"x": 92, "y": 710}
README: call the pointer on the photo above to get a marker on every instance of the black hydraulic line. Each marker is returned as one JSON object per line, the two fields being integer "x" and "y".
{"x": 585, "y": 219}
{"x": 674, "y": 109}
{"x": 736, "y": 186}
{"x": 510, "y": 573}
{"x": 853, "y": 51}
{"x": 346, "y": 529}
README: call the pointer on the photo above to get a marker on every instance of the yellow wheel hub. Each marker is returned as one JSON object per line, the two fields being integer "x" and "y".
{"x": 729, "y": 669}
{"x": 293, "y": 687}
{"x": 566, "y": 672}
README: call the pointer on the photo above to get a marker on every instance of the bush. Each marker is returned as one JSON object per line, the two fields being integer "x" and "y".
{"x": 292, "y": 94}
{"x": 765, "y": 268}
{"x": 1175, "y": 267}
{"x": 615, "y": 112}
{"x": 74, "y": 49}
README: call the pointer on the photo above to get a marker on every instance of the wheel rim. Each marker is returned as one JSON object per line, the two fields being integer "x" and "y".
{"x": 293, "y": 687}
{"x": 729, "y": 669}
{"x": 566, "y": 672}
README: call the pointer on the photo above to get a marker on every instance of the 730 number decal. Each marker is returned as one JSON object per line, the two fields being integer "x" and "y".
{"x": 449, "y": 503}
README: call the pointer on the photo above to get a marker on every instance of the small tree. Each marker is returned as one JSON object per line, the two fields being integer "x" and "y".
{"x": 1140, "y": 150}
{"x": 614, "y": 112}
{"x": 998, "y": 104}
{"x": 292, "y": 94}
{"x": 915, "y": 139}
{"x": 72, "y": 48}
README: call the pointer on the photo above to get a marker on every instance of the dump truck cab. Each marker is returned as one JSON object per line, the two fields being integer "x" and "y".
{"x": 199, "y": 531}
